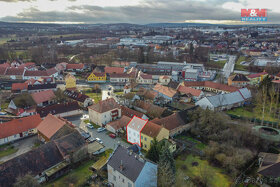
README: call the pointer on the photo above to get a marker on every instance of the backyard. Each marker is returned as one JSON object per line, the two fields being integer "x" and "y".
{"x": 192, "y": 167}
{"x": 199, "y": 144}
{"x": 96, "y": 96}
{"x": 6, "y": 150}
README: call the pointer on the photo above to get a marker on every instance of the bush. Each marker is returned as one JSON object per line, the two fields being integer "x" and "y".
{"x": 184, "y": 167}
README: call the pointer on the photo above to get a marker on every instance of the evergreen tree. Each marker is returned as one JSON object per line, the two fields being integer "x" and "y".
{"x": 154, "y": 151}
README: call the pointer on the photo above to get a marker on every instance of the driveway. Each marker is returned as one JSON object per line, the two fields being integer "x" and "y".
{"x": 108, "y": 142}
{"x": 23, "y": 146}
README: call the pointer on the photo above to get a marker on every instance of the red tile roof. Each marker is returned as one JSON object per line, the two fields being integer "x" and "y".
{"x": 151, "y": 129}
{"x": 17, "y": 126}
{"x": 40, "y": 97}
{"x": 112, "y": 70}
{"x": 19, "y": 86}
{"x": 105, "y": 105}
{"x": 130, "y": 112}
{"x": 51, "y": 71}
{"x": 75, "y": 66}
{"x": 119, "y": 75}
{"x": 3, "y": 70}
{"x": 256, "y": 75}
{"x": 170, "y": 122}
{"x": 210, "y": 84}
{"x": 120, "y": 123}
{"x": 15, "y": 71}
{"x": 5, "y": 65}
{"x": 35, "y": 73}
{"x": 50, "y": 125}
{"x": 146, "y": 76}
{"x": 170, "y": 92}
{"x": 189, "y": 90}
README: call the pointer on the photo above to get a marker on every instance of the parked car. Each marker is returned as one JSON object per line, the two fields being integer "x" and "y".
{"x": 112, "y": 135}
{"x": 89, "y": 126}
{"x": 101, "y": 129}
{"x": 86, "y": 135}
{"x": 91, "y": 139}
{"x": 99, "y": 140}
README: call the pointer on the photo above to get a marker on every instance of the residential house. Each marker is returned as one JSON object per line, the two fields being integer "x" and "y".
{"x": 165, "y": 92}
{"x": 257, "y": 77}
{"x": 18, "y": 128}
{"x": 75, "y": 67}
{"x": 114, "y": 70}
{"x": 127, "y": 89}
{"x": 83, "y": 100}
{"x": 151, "y": 110}
{"x": 173, "y": 84}
{"x": 195, "y": 93}
{"x": 62, "y": 110}
{"x": 144, "y": 78}
{"x": 269, "y": 165}
{"x": 130, "y": 113}
{"x": 14, "y": 73}
{"x": 175, "y": 123}
{"x": 47, "y": 162}
{"x": 133, "y": 130}
{"x": 39, "y": 74}
{"x": 225, "y": 101}
{"x": 210, "y": 86}
{"x": 147, "y": 94}
{"x": 33, "y": 85}
{"x": 53, "y": 127}
{"x": 104, "y": 111}
{"x": 43, "y": 98}
{"x": 121, "y": 78}
{"x": 118, "y": 125}
{"x": 3, "y": 72}
{"x": 70, "y": 82}
{"x": 97, "y": 77}
{"x": 126, "y": 168}
{"x": 150, "y": 132}
{"x": 164, "y": 79}
{"x": 238, "y": 80}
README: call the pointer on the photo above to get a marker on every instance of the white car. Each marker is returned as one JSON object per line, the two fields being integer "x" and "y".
{"x": 100, "y": 129}
{"x": 85, "y": 117}
{"x": 99, "y": 140}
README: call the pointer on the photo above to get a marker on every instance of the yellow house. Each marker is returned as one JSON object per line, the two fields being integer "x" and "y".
{"x": 70, "y": 81}
{"x": 151, "y": 131}
{"x": 257, "y": 78}
{"x": 97, "y": 77}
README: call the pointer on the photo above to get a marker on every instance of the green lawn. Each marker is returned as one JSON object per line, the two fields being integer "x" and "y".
{"x": 6, "y": 150}
{"x": 96, "y": 96}
{"x": 215, "y": 176}
{"x": 238, "y": 66}
{"x": 243, "y": 112}
{"x": 93, "y": 124}
{"x": 81, "y": 173}
{"x": 219, "y": 64}
{"x": 4, "y": 105}
{"x": 118, "y": 93}
{"x": 198, "y": 145}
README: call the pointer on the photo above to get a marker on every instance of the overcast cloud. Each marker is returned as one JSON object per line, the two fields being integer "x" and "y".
{"x": 132, "y": 11}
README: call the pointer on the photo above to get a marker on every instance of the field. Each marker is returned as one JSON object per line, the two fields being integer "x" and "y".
{"x": 96, "y": 96}
{"x": 219, "y": 64}
{"x": 240, "y": 67}
{"x": 186, "y": 168}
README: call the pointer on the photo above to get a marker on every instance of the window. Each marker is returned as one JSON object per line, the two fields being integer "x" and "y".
{"x": 114, "y": 178}
{"x": 145, "y": 139}
{"x": 129, "y": 184}
{"x": 123, "y": 180}
{"x": 141, "y": 137}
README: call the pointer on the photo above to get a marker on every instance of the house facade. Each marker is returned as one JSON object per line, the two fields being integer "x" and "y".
{"x": 97, "y": 77}
{"x": 104, "y": 112}
{"x": 121, "y": 173}
{"x": 70, "y": 81}
{"x": 133, "y": 130}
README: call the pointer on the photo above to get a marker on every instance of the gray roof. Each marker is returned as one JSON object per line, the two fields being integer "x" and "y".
{"x": 225, "y": 99}
{"x": 245, "y": 93}
{"x": 132, "y": 164}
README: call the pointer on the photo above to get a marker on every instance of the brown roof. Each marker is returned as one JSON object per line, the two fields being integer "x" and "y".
{"x": 152, "y": 110}
{"x": 51, "y": 71}
{"x": 270, "y": 166}
{"x": 170, "y": 122}
{"x": 40, "y": 97}
{"x": 3, "y": 70}
{"x": 101, "y": 74}
{"x": 239, "y": 77}
{"x": 210, "y": 84}
{"x": 256, "y": 75}
{"x": 74, "y": 66}
{"x": 19, "y": 86}
{"x": 120, "y": 123}
{"x": 146, "y": 76}
{"x": 14, "y": 71}
{"x": 165, "y": 90}
{"x": 130, "y": 112}
{"x": 35, "y": 73}
{"x": 50, "y": 125}
{"x": 112, "y": 70}
{"x": 17, "y": 126}
{"x": 119, "y": 75}
{"x": 189, "y": 90}
{"x": 105, "y": 105}
{"x": 151, "y": 129}
{"x": 147, "y": 94}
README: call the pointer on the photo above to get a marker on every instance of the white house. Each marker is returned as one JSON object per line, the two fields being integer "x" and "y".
{"x": 225, "y": 101}
{"x": 119, "y": 78}
{"x": 133, "y": 130}
{"x": 144, "y": 78}
{"x": 104, "y": 111}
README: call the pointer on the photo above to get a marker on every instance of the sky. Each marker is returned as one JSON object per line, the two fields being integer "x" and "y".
{"x": 133, "y": 11}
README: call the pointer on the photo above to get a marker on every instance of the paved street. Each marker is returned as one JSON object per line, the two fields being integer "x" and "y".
{"x": 106, "y": 139}
{"x": 229, "y": 66}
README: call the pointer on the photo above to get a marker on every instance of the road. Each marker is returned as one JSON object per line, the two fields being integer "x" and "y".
{"x": 229, "y": 66}
{"x": 109, "y": 142}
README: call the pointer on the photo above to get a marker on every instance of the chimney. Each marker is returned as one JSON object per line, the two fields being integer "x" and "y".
{"x": 121, "y": 166}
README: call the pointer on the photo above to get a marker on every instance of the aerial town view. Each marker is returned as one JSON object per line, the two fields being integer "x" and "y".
{"x": 139, "y": 93}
